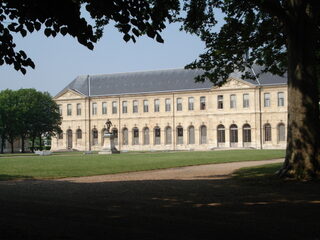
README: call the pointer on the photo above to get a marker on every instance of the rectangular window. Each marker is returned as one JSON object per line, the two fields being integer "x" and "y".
{"x": 168, "y": 105}
{"x": 220, "y": 101}
{"x": 190, "y": 103}
{"x": 157, "y": 105}
{"x": 124, "y": 107}
{"x": 280, "y": 99}
{"x": 69, "y": 110}
{"x": 94, "y": 108}
{"x": 233, "y": 101}
{"x": 145, "y": 106}
{"x": 135, "y": 106}
{"x": 78, "y": 109}
{"x": 114, "y": 107}
{"x": 202, "y": 103}
{"x": 267, "y": 100}
{"x": 60, "y": 109}
{"x": 246, "y": 100}
{"x": 179, "y": 104}
{"x": 104, "y": 108}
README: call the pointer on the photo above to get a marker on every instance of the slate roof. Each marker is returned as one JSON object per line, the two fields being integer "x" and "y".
{"x": 171, "y": 80}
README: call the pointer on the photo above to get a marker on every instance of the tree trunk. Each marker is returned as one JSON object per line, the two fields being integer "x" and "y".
{"x": 22, "y": 143}
{"x": 40, "y": 143}
{"x": 302, "y": 159}
{"x": 3, "y": 139}
{"x": 32, "y": 146}
{"x": 12, "y": 147}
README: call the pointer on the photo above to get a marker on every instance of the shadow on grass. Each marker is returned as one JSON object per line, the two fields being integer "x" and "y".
{"x": 161, "y": 209}
{"x": 5, "y": 177}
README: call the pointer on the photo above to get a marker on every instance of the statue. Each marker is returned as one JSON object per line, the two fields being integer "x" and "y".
{"x": 109, "y": 124}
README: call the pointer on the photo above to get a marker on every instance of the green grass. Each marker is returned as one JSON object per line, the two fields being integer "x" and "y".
{"x": 76, "y": 165}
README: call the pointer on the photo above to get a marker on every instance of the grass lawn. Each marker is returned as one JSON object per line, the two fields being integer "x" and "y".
{"x": 76, "y": 165}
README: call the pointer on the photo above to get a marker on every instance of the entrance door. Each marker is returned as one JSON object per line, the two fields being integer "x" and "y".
{"x": 69, "y": 139}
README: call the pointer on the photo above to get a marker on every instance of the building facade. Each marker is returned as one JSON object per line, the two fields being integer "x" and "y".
{"x": 167, "y": 110}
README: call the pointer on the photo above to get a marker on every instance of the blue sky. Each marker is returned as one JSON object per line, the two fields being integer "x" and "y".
{"x": 59, "y": 60}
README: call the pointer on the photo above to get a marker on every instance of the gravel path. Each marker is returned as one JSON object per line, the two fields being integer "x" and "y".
{"x": 210, "y": 171}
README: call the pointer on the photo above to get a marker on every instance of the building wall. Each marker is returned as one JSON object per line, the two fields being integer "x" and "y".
{"x": 210, "y": 117}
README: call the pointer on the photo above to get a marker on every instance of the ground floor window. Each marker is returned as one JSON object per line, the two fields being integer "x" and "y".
{"x": 135, "y": 140}
{"x": 203, "y": 135}
{"x": 221, "y": 135}
{"x": 267, "y": 132}
{"x": 146, "y": 139}
{"x": 281, "y": 132}
{"x": 157, "y": 135}
{"x": 246, "y": 133}
{"x": 125, "y": 136}
{"x": 179, "y": 135}
{"x": 168, "y": 132}
{"x": 191, "y": 138}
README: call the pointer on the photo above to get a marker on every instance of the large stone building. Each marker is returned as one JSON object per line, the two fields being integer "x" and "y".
{"x": 167, "y": 110}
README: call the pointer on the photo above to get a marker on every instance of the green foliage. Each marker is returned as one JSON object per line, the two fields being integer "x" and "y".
{"x": 77, "y": 164}
{"x": 28, "y": 113}
{"x": 133, "y": 18}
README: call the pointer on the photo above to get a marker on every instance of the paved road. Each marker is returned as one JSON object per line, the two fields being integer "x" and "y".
{"x": 210, "y": 171}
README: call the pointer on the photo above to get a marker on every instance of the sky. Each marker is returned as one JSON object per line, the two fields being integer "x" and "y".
{"x": 61, "y": 59}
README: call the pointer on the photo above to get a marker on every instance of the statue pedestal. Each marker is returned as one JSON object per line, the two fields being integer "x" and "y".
{"x": 108, "y": 144}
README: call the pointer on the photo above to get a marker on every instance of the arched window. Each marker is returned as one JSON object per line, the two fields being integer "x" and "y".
{"x": 146, "y": 138}
{"x": 168, "y": 132}
{"x": 115, "y": 135}
{"x": 103, "y": 132}
{"x": 94, "y": 136}
{"x": 79, "y": 134}
{"x": 156, "y": 135}
{"x": 281, "y": 132}
{"x": 221, "y": 135}
{"x": 69, "y": 139}
{"x": 246, "y": 134}
{"x": 267, "y": 132}
{"x": 179, "y": 135}
{"x": 125, "y": 136}
{"x": 191, "y": 139}
{"x": 135, "y": 135}
{"x": 203, "y": 134}
{"x": 233, "y": 135}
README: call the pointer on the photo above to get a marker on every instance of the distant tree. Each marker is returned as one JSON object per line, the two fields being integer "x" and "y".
{"x": 46, "y": 118}
{"x": 9, "y": 116}
{"x": 133, "y": 18}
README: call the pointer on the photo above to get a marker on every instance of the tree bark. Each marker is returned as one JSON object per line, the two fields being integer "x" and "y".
{"x": 40, "y": 143}
{"x": 22, "y": 143}
{"x": 32, "y": 147}
{"x": 302, "y": 159}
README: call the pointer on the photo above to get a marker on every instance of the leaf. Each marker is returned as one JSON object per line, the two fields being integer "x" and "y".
{"x": 159, "y": 39}
{"x": 37, "y": 26}
{"x": 47, "y": 32}
{"x": 23, "y": 32}
{"x": 64, "y": 31}
{"x": 23, "y": 70}
{"x": 90, "y": 46}
{"x": 126, "y": 37}
{"x": 136, "y": 32}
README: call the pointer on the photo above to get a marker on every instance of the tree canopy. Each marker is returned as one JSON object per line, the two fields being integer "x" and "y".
{"x": 27, "y": 113}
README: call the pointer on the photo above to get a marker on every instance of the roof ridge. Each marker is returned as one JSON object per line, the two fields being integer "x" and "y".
{"x": 138, "y": 71}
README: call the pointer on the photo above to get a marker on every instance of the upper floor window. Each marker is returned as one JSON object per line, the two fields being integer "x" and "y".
{"x": 233, "y": 101}
{"x": 191, "y": 103}
{"x": 135, "y": 106}
{"x": 104, "y": 108}
{"x": 246, "y": 100}
{"x": 156, "y": 105}
{"x": 280, "y": 99}
{"x": 202, "y": 103}
{"x": 60, "y": 109}
{"x": 168, "y": 105}
{"x": 124, "y": 107}
{"x": 145, "y": 106}
{"x": 69, "y": 109}
{"x": 267, "y": 100}
{"x": 114, "y": 107}
{"x": 220, "y": 101}
{"x": 94, "y": 108}
{"x": 78, "y": 109}
{"x": 179, "y": 104}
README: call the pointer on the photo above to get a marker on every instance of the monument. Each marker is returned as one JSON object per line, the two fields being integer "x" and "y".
{"x": 108, "y": 143}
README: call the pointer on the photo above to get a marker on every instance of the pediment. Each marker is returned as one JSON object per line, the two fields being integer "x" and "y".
{"x": 69, "y": 94}
{"x": 233, "y": 83}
